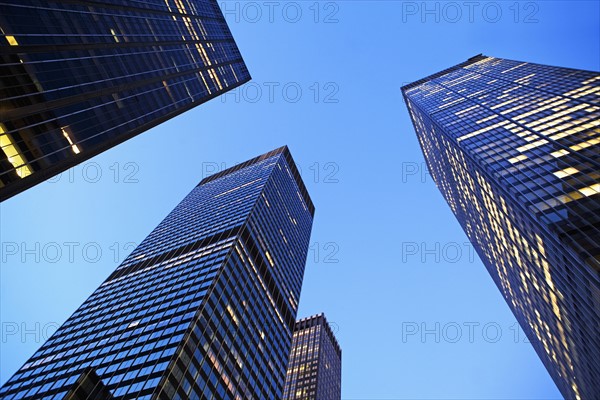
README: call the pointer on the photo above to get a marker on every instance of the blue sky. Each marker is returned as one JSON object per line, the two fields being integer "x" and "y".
{"x": 416, "y": 314}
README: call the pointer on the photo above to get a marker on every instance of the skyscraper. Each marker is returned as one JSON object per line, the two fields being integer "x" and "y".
{"x": 203, "y": 308}
{"x": 315, "y": 366}
{"x": 79, "y": 77}
{"x": 514, "y": 148}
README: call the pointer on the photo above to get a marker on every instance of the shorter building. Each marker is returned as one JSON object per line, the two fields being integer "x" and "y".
{"x": 315, "y": 365}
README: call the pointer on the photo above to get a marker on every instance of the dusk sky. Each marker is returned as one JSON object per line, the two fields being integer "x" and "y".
{"x": 414, "y": 309}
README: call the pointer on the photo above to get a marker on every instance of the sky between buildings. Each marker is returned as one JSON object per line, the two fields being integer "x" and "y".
{"x": 414, "y": 309}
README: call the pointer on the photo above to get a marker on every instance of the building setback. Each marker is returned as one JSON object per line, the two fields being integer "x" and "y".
{"x": 203, "y": 308}
{"x": 315, "y": 366}
{"x": 79, "y": 77}
{"x": 514, "y": 148}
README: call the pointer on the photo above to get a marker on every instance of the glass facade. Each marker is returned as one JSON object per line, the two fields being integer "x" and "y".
{"x": 315, "y": 366}
{"x": 514, "y": 148}
{"x": 203, "y": 308}
{"x": 78, "y": 77}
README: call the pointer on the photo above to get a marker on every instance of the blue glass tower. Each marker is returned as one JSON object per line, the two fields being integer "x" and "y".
{"x": 514, "y": 148}
{"x": 203, "y": 308}
{"x": 79, "y": 77}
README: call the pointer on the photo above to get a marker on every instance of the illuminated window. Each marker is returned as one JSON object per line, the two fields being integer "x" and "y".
{"x": 590, "y": 190}
{"x": 270, "y": 259}
{"x": 566, "y": 172}
{"x": 517, "y": 159}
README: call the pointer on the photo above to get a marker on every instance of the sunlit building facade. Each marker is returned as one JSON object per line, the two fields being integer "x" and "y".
{"x": 514, "y": 148}
{"x": 79, "y": 77}
{"x": 203, "y": 308}
{"x": 315, "y": 366}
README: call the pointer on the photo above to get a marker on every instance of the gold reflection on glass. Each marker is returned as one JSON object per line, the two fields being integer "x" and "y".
{"x": 68, "y": 137}
{"x": 14, "y": 156}
{"x": 238, "y": 187}
{"x": 114, "y": 34}
{"x": 11, "y": 40}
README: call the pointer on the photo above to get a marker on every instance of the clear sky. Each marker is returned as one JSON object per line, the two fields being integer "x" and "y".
{"x": 415, "y": 312}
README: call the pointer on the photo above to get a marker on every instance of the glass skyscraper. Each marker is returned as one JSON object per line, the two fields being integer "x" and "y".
{"x": 514, "y": 148}
{"x": 203, "y": 308}
{"x": 79, "y": 77}
{"x": 315, "y": 366}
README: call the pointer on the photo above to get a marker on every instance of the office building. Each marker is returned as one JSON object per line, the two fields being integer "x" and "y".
{"x": 79, "y": 77}
{"x": 203, "y": 308}
{"x": 514, "y": 148}
{"x": 315, "y": 366}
